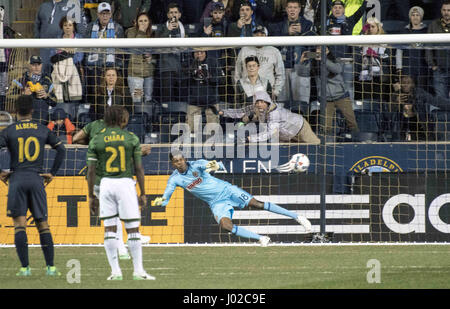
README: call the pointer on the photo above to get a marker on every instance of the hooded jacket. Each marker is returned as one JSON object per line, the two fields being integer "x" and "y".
{"x": 278, "y": 120}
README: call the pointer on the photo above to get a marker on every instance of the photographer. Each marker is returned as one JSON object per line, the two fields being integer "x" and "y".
{"x": 293, "y": 24}
{"x": 336, "y": 94}
{"x": 204, "y": 79}
{"x": 40, "y": 87}
{"x": 170, "y": 63}
{"x": 409, "y": 116}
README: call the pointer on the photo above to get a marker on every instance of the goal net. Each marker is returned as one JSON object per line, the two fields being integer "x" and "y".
{"x": 376, "y": 139}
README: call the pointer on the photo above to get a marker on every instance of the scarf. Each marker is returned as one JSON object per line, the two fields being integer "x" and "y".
{"x": 110, "y": 34}
{"x": 181, "y": 27}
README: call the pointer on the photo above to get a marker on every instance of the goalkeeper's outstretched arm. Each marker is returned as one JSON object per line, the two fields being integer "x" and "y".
{"x": 164, "y": 200}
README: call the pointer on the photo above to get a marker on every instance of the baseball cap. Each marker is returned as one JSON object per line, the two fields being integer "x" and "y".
{"x": 216, "y": 6}
{"x": 338, "y": 2}
{"x": 104, "y": 6}
{"x": 35, "y": 59}
{"x": 262, "y": 96}
{"x": 260, "y": 28}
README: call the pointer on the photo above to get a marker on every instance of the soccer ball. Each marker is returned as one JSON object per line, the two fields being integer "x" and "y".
{"x": 299, "y": 163}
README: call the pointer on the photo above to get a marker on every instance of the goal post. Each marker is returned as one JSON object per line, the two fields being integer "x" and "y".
{"x": 385, "y": 182}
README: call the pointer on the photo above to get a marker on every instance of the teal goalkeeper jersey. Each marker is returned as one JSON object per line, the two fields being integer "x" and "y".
{"x": 197, "y": 181}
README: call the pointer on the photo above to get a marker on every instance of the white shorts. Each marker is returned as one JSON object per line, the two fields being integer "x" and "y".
{"x": 118, "y": 197}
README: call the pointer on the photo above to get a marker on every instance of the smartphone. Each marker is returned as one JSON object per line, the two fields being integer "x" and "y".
{"x": 311, "y": 55}
{"x": 207, "y": 21}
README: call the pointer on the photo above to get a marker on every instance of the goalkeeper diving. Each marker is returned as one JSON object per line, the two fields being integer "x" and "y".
{"x": 220, "y": 195}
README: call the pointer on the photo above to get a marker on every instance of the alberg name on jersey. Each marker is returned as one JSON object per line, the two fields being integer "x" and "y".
{"x": 26, "y": 125}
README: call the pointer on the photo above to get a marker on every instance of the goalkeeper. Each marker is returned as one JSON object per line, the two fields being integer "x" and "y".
{"x": 220, "y": 195}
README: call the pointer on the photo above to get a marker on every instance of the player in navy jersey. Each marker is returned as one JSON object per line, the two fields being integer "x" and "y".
{"x": 220, "y": 195}
{"x": 26, "y": 141}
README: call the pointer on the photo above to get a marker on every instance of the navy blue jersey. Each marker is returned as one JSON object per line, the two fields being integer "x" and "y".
{"x": 26, "y": 143}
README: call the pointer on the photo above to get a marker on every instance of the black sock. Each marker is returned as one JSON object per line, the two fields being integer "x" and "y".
{"x": 21, "y": 242}
{"x": 47, "y": 246}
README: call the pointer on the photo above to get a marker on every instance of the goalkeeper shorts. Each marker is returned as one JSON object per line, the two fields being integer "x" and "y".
{"x": 232, "y": 197}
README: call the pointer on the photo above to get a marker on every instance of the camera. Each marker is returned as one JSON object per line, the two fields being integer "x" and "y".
{"x": 312, "y": 55}
{"x": 173, "y": 20}
{"x": 201, "y": 72}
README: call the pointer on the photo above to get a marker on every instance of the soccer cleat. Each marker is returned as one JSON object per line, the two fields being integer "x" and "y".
{"x": 145, "y": 239}
{"x": 24, "y": 272}
{"x": 264, "y": 241}
{"x": 115, "y": 277}
{"x": 52, "y": 271}
{"x": 124, "y": 256}
{"x": 143, "y": 276}
{"x": 304, "y": 222}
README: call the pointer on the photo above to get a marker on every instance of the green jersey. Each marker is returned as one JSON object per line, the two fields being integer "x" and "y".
{"x": 91, "y": 130}
{"x": 115, "y": 152}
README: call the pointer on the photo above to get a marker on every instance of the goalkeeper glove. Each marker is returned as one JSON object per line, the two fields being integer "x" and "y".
{"x": 158, "y": 201}
{"x": 212, "y": 166}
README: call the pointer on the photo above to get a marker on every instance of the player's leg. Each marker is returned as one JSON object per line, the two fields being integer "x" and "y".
{"x": 47, "y": 247}
{"x": 281, "y": 211}
{"x": 111, "y": 248}
{"x": 123, "y": 252}
{"x": 38, "y": 208}
{"x": 21, "y": 244}
{"x": 108, "y": 213}
{"x": 223, "y": 213}
{"x": 131, "y": 216}
{"x": 17, "y": 210}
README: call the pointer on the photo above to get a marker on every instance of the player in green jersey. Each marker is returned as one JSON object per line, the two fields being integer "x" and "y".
{"x": 117, "y": 154}
{"x": 83, "y": 137}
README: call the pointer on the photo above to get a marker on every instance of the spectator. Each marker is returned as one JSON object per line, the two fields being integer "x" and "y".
{"x": 171, "y": 88}
{"x": 413, "y": 61}
{"x": 141, "y": 67}
{"x": 5, "y": 33}
{"x": 204, "y": 79}
{"x": 111, "y": 92}
{"x": 289, "y": 126}
{"x": 216, "y": 25}
{"x": 374, "y": 64}
{"x": 159, "y": 8}
{"x": 61, "y": 125}
{"x": 46, "y": 25}
{"x": 339, "y": 24}
{"x": 65, "y": 76}
{"x": 102, "y": 28}
{"x": 227, "y": 5}
{"x": 409, "y": 119}
{"x": 336, "y": 95}
{"x": 244, "y": 25}
{"x": 125, "y": 11}
{"x": 262, "y": 10}
{"x": 272, "y": 66}
{"x": 439, "y": 59}
{"x": 247, "y": 86}
{"x": 296, "y": 88}
{"x": 39, "y": 84}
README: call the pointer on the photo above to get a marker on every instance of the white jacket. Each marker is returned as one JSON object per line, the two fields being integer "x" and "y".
{"x": 271, "y": 65}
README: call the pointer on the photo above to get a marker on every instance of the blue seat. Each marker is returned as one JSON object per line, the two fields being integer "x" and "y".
{"x": 83, "y": 119}
{"x": 369, "y": 125}
{"x": 138, "y": 125}
{"x": 442, "y": 125}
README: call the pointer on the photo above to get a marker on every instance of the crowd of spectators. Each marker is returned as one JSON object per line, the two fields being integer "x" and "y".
{"x": 405, "y": 86}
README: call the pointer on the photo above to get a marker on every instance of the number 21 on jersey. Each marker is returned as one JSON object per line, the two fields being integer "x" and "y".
{"x": 113, "y": 158}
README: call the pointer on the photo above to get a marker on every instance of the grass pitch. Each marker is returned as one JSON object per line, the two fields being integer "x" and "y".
{"x": 243, "y": 267}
